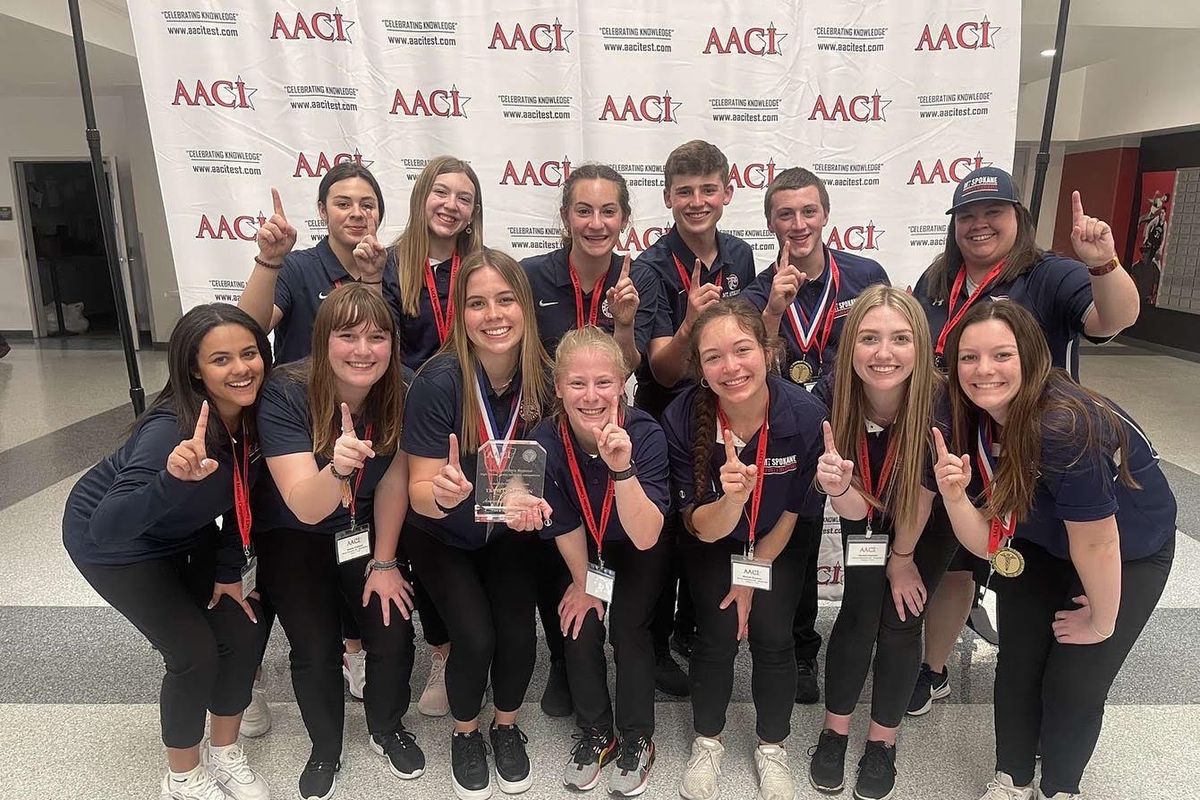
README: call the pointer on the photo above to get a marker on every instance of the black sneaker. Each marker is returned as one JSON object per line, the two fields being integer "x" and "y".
{"x": 556, "y": 700}
{"x": 827, "y": 762}
{"x": 876, "y": 772}
{"x": 669, "y": 677}
{"x": 318, "y": 780}
{"x": 512, "y": 762}
{"x": 682, "y": 644}
{"x": 404, "y": 755}
{"x": 469, "y": 771}
{"x": 930, "y": 686}
{"x": 807, "y": 691}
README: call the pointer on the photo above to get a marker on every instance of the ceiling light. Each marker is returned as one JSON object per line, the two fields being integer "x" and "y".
{"x": 1048, "y": 53}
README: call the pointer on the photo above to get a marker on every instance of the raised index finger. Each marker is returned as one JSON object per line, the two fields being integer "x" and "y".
{"x": 452, "y": 458}
{"x": 827, "y": 432}
{"x": 696, "y": 274}
{"x": 1076, "y": 208}
{"x": 625, "y": 267}
{"x": 731, "y": 455}
{"x": 201, "y": 423}
{"x": 347, "y": 421}
{"x": 613, "y": 415}
{"x": 939, "y": 444}
{"x": 277, "y": 202}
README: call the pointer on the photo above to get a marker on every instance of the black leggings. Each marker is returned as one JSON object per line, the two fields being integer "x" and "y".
{"x": 773, "y": 682}
{"x": 487, "y": 597}
{"x": 868, "y": 620}
{"x": 639, "y": 581}
{"x": 433, "y": 627}
{"x": 552, "y": 575}
{"x": 668, "y": 619}
{"x": 308, "y": 588}
{"x": 1054, "y": 693}
{"x": 210, "y": 656}
{"x": 804, "y": 626}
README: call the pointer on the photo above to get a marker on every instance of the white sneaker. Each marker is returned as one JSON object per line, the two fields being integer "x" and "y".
{"x": 256, "y": 719}
{"x": 434, "y": 702}
{"x": 354, "y": 670}
{"x": 228, "y": 766}
{"x": 774, "y": 775}
{"x": 1001, "y": 788}
{"x": 1058, "y": 796}
{"x": 702, "y": 775}
{"x": 197, "y": 784}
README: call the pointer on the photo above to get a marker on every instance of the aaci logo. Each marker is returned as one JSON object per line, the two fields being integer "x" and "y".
{"x": 855, "y": 237}
{"x": 314, "y": 165}
{"x": 224, "y": 93}
{"x": 242, "y": 227}
{"x": 331, "y": 27}
{"x": 859, "y": 108}
{"x": 545, "y": 37}
{"x": 634, "y": 240}
{"x": 430, "y": 103}
{"x": 755, "y": 175}
{"x": 651, "y": 108}
{"x": 967, "y": 36}
{"x": 548, "y": 173}
{"x": 752, "y": 41}
{"x": 946, "y": 170}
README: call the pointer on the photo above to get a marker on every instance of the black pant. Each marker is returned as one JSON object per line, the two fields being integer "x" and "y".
{"x": 669, "y": 618}
{"x": 308, "y": 588}
{"x": 552, "y": 575}
{"x": 640, "y": 576}
{"x": 433, "y": 627}
{"x": 804, "y": 627}
{"x": 487, "y": 597}
{"x": 1054, "y": 693}
{"x": 210, "y": 655}
{"x": 868, "y": 620}
{"x": 773, "y": 682}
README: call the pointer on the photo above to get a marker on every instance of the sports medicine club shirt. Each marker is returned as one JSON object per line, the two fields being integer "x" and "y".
{"x": 419, "y": 334}
{"x": 554, "y": 296}
{"x": 794, "y": 445}
{"x": 734, "y": 265}
{"x": 128, "y": 508}
{"x": 855, "y": 274}
{"x": 304, "y": 281}
{"x": 649, "y": 457}
{"x": 1056, "y": 290}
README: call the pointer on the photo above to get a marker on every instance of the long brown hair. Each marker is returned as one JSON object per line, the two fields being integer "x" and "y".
{"x": 899, "y": 497}
{"x": 1048, "y": 402}
{"x": 532, "y": 362}
{"x": 345, "y": 308}
{"x": 412, "y": 246}
{"x": 1024, "y": 254}
{"x": 589, "y": 337}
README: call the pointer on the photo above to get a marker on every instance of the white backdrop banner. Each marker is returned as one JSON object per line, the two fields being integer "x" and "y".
{"x": 891, "y": 103}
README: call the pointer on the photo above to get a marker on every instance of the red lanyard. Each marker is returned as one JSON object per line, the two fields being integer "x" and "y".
{"x": 353, "y": 495}
{"x": 440, "y": 320}
{"x": 806, "y": 332}
{"x": 585, "y": 504}
{"x": 1001, "y": 529}
{"x": 864, "y": 460}
{"x": 760, "y": 462}
{"x": 241, "y": 491}
{"x": 955, "y": 291}
{"x": 597, "y": 296}
{"x": 686, "y": 276}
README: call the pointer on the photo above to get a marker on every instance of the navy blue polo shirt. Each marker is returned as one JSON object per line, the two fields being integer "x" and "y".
{"x": 649, "y": 457}
{"x": 793, "y": 448}
{"x": 419, "y": 334}
{"x": 1056, "y": 290}
{"x": 855, "y": 274}
{"x": 432, "y": 412}
{"x": 305, "y": 279}
{"x": 284, "y": 428}
{"x": 554, "y": 294}
{"x": 128, "y": 508}
{"x": 734, "y": 264}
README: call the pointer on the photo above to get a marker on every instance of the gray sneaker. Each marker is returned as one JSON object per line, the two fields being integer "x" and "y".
{"x": 631, "y": 774}
{"x": 592, "y": 751}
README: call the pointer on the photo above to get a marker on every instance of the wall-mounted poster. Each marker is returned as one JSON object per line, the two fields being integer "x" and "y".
{"x": 1150, "y": 247}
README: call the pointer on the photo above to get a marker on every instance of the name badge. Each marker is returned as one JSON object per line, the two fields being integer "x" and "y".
{"x": 750, "y": 573}
{"x": 600, "y": 582}
{"x": 352, "y": 543}
{"x": 249, "y": 576}
{"x": 866, "y": 551}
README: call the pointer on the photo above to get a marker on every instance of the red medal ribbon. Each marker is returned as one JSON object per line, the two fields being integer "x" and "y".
{"x": 597, "y": 295}
{"x": 358, "y": 478}
{"x": 955, "y": 291}
{"x": 1001, "y": 530}
{"x": 686, "y": 277}
{"x": 241, "y": 491}
{"x": 864, "y": 460}
{"x": 440, "y": 320}
{"x": 585, "y": 504}
{"x": 488, "y": 427}
{"x": 825, "y": 312}
{"x": 760, "y": 462}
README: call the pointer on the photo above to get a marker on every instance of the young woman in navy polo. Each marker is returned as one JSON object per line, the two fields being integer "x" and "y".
{"x": 1078, "y": 523}
{"x": 489, "y": 382}
{"x": 330, "y": 524}
{"x": 607, "y": 479}
{"x": 141, "y": 528}
{"x": 744, "y": 445}
{"x": 882, "y": 391}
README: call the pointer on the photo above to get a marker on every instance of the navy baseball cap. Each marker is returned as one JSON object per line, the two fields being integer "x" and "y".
{"x": 985, "y": 183}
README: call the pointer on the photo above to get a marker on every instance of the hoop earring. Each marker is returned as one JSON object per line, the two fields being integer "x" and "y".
{"x": 704, "y": 383}
{"x": 468, "y": 231}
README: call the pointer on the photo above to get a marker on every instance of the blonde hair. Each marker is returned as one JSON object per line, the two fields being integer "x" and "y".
{"x": 578, "y": 340}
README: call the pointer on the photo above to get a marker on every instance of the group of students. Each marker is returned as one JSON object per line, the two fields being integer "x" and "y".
{"x": 696, "y": 510}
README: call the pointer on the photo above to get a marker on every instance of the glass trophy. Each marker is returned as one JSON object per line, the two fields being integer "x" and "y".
{"x": 510, "y": 474}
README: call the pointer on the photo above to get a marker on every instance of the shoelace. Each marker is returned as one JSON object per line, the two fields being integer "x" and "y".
{"x": 588, "y": 747}
{"x": 876, "y": 763}
{"x": 234, "y": 762}
{"x": 474, "y": 749}
{"x": 775, "y": 759}
{"x": 402, "y": 739}
{"x": 825, "y": 751}
{"x": 630, "y": 757}
{"x": 509, "y": 742}
{"x": 437, "y": 669}
{"x": 1010, "y": 791}
{"x": 704, "y": 755}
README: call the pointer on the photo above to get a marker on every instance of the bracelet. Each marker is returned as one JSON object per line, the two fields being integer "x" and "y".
{"x": 839, "y": 494}
{"x": 333, "y": 471}
{"x": 380, "y": 566}
{"x": 1105, "y": 268}
{"x": 259, "y": 260}
{"x": 624, "y": 474}
{"x": 1102, "y": 636}
{"x": 898, "y": 554}
{"x": 370, "y": 283}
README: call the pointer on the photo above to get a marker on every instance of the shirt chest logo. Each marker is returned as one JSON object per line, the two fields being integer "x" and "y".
{"x": 780, "y": 466}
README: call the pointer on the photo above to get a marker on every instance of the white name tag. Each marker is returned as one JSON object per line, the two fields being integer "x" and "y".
{"x": 808, "y": 387}
{"x": 750, "y": 573}
{"x": 249, "y": 576}
{"x": 354, "y": 542}
{"x": 600, "y": 581}
{"x": 866, "y": 551}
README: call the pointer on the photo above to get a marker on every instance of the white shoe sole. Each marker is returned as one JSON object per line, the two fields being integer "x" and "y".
{"x": 935, "y": 694}
{"x": 464, "y": 793}
{"x": 516, "y": 787}
{"x": 885, "y": 797}
{"x": 406, "y": 776}
{"x": 686, "y": 796}
{"x": 326, "y": 796}
{"x": 826, "y": 789}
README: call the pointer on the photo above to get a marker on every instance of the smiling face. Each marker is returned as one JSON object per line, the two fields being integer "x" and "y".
{"x": 594, "y": 218}
{"x": 797, "y": 220}
{"x": 698, "y": 201}
{"x": 231, "y": 368}
{"x": 351, "y": 211}
{"x": 450, "y": 205}
{"x": 989, "y": 366}
{"x": 359, "y": 356}
{"x": 985, "y": 232}
{"x": 884, "y": 350}
{"x": 732, "y": 361}
{"x": 492, "y": 316}
{"x": 590, "y": 385}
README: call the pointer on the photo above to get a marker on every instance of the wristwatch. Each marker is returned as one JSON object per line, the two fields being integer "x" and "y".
{"x": 624, "y": 474}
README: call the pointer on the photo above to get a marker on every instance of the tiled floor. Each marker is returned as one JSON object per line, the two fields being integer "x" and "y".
{"x": 78, "y": 685}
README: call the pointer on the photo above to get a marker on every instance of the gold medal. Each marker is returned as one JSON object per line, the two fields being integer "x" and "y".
{"x": 800, "y": 372}
{"x": 1008, "y": 562}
